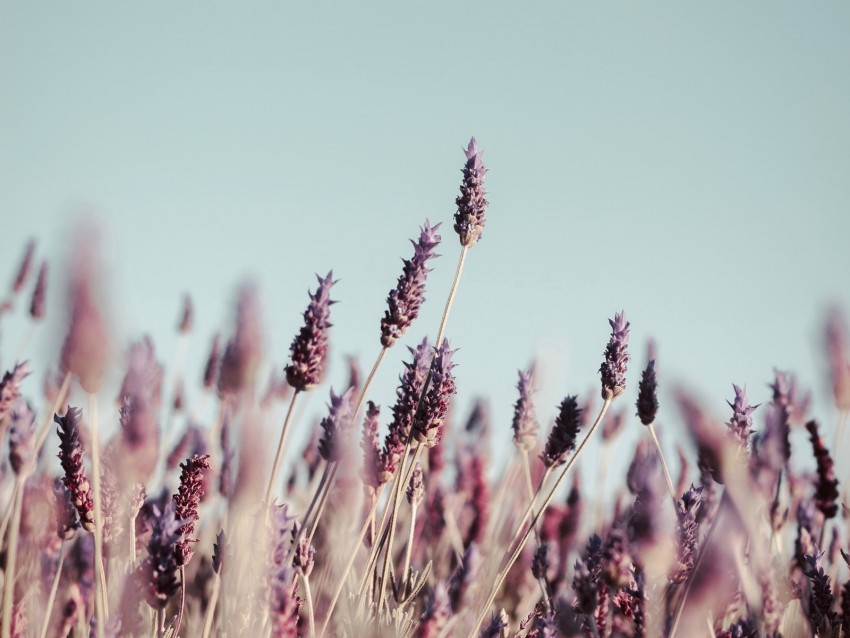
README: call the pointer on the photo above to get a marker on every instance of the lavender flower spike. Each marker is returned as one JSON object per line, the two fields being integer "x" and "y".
{"x": 613, "y": 369}
{"x": 431, "y": 415}
{"x": 159, "y": 570}
{"x": 187, "y": 499}
{"x": 10, "y": 388}
{"x": 71, "y": 458}
{"x": 336, "y": 425}
{"x": 406, "y": 298}
{"x": 826, "y": 488}
{"x": 647, "y": 401}
{"x": 24, "y": 268}
{"x": 471, "y": 205}
{"x": 741, "y": 423}
{"x": 525, "y": 424}
{"x": 309, "y": 350}
{"x": 562, "y": 438}
{"x": 39, "y": 293}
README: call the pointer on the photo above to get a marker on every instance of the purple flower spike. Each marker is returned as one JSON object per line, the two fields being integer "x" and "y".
{"x": 24, "y": 268}
{"x": 159, "y": 570}
{"x": 187, "y": 499}
{"x": 39, "y": 293}
{"x": 826, "y": 491}
{"x": 406, "y": 298}
{"x": 741, "y": 423}
{"x": 410, "y": 387}
{"x": 336, "y": 425}
{"x": 562, "y": 438}
{"x": 309, "y": 350}
{"x": 613, "y": 369}
{"x": 431, "y": 415}
{"x": 369, "y": 445}
{"x": 71, "y": 458}
{"x": 471, "y": 205}
{"x": 10, "y": 388}
{"x": 647, "y": 401}
{"x": 525, "y": 424}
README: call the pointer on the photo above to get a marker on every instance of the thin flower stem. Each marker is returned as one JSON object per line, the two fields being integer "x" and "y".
{"x": 308, "y": 599}
{"x": 409, "y": 547}
{"x": 11, "y": 557}
{"x": 7, "y": 515}
{"x": 210, "y": 615}
{"x": 663, "y": 463}
{"x": 350, "y": 563}
{"x": 278, "y": 458}
{"x": 452, "y": 294}
{"x": 532, "y": 495}
{"x": 323, "y": 502}
{"x": 182, "y": 601}
{"x": 369, "y": 379}
{"x": 500, "y": 579}
{"x": 389, "y": 551}
{"x": 51, "y": 599}
{"x": 159, "y": 622}
{"x": 101, "y": 602}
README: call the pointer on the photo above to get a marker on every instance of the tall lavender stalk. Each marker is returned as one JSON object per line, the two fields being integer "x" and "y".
{"x": 308, "y": 359}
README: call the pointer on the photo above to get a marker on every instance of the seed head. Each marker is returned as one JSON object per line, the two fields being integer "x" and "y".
{"x": 613, "y": 369}
{"x": 309, "y": 350}
{"x": 406, "y": 298}
{"x": 562, "y": 438}
{"x": 471, "y": 205}
{"x": 525, "y": 424}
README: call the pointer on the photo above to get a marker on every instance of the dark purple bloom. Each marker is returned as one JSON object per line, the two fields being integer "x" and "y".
{"x": 187, "y": 499}
{"x": 336, "y": 425}
{"x": 687, "y": 533}
{"x": 498, "y": 627}
{"x": 71, "y": 458}
{"x": 562, "y": 438}
{"x": 24, "y": 268}
{"x": 406, "y": 298}
{"x": 416, "y": 488}
{"x": 647, "y": 401}
{"x": 369, "y": 445}
{"x": 540, "y": 562}
{"x": 617, "y": 568}
{"x": 430, "y": 416}
{"x": 821, "y": 616}
{"x": 471, "y": 205}
{"x": 158, "y": 572}
{"x": 741, "y": 423}
{"x": 613, "y": 369}
{"x": 826, "y": 492}
{"x": 525, "y": 424}
{"x": 39, "y": 293}
{"x": 437, "y": 613}
{"x": 309, "y": 350}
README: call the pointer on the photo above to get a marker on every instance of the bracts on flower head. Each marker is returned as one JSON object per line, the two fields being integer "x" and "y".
{"x": 309, "y": 349}
{"x": 406, "y": 298}
{"x": 525, "y": 424}
{"x": 71, "y": 458}
{"x": 430, "y": 417}
{"x": 186, "y": 501}
{"x": 471, "y": 205}
{"x": 613, "y": 369}
{"x": 562, "y": 438}
{"x": 741, "y": 423}
{"x": 647, "y": 401}
{"x": 410, "y": 387}
{"x": 826, "y": 492}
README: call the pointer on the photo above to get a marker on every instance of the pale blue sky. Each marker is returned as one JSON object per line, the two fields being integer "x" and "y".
{"x": 688, "y": 162}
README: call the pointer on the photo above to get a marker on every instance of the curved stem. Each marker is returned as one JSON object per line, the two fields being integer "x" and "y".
{"x": 532, "y": 495}
{"x": 182, "y": 602}
{"x": 323, "y": 502}
{"x": 308, "y": 599}
{"x": 369, "y": 379}
{"x": 663, "y": 464}
{"x": 452, "y": 294}
{"x": 409, "y": 547}
{"x": 11, "y": 557}
{"x": 500, "y": 579}
{"x": 279, "y": 454}
{"x": 101, "y": 602}
{"x": 51, "y": 599}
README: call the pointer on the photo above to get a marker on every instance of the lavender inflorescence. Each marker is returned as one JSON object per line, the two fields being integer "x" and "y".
{"x": 309, "y": 350}
{"x": 430, "y": 416}
{"x": 471, "y": 204}
{"x": 613, "y": 369}
{"x": 71, "y": 458}
{"x": 562, "y": 438}
{"x": 525, "y": 424}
